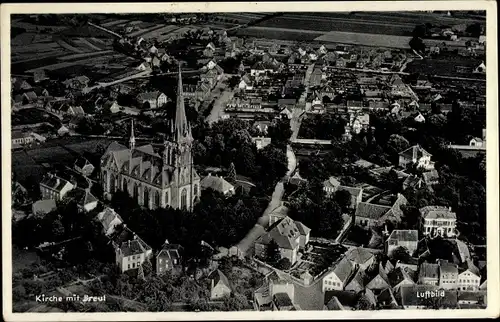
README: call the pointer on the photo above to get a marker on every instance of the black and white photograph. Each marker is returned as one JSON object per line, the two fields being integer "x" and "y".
{"x": 250, "y": 160}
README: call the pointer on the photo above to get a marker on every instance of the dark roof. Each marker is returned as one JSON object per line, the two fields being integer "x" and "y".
{"x": 171, "y": 251}
{"x": 334, "y": 304}
{"x": 404, "y": 235}
{"x": 344, "y": 297}
{"x": 371, "y": 211}
{"x": 219, "y": 278}
{"x": 358, "y": 255}
{"x": 428, "y": 270}
{"x": 344, "y": 269}
{"x": 398, "y": 275}
{"x": 282, "y": 300}
{"x": 132, "y": 247}
{"x": 469, "y": 265}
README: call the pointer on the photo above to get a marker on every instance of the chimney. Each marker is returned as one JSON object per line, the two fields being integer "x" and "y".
{"x": 210, "y": 174}
{"x": 128, "y": 243}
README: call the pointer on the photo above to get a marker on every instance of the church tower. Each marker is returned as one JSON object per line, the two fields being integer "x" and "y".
{"x": 178, "y": 156}
{"x": 131, "y": 141}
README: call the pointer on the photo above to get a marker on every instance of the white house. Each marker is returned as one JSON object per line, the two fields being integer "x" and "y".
{"x": 54, "y": 187}
{"x": 469, "y": 278}
{"x": 218, "y": 184}
{"x": 131, "y": 254}
{"x": 477, "y": 142}
{"x": 438, "y": 220}
{"x": 416, "y": 155}
{"x": 109, "y": 220}
{"x": 419, "y": 118}
{"x": 337, "y": 278}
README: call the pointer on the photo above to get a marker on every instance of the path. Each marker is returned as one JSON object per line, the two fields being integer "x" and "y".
{"x": 219, "y": 104}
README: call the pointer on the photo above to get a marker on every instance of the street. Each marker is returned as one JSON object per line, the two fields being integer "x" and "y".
{"x": 219, "y": 105}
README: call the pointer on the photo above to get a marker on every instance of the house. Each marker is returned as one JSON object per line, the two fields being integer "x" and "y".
{"x": 288, "y": 234}
{"x": 273, "y": 284}
{"x": 413, "y": 181}
{"x": 332, "y": 185}
{"x": 386, "y": 299}
{"x": 283, "y": 302}
{"x": 109, "y": 220}
{"x": 448, "y": 275}
{"x": 83, "y": 166}
{"x": 379, "y": 282}
{"x": 153, "y": 100}
{"x": 42, "y": 207}
{"x": 334, "y": 305}
{"x": 370, "y": 215}
{"x": 358, "y": 282}
{"x": 361, "y": 257}
{"x": 341, "y": 62}
{"x": 132, "y": 253}
{"x": 39, "y": 75}
{"x": 480, "y": 69}
{"x": 54, "y": 187}
{"x": 428, "y": 274}
{"x": 477, "y": 142}
{"x": 438, "y": 220}
{"x": 218, "y": 184}
{"x": 430, "y": 178}
{"x": 29, "y": 97}
{"x": 78, "y": 82}
{"x": 20, "y": 138}
{"x": 359, "y": 121}
{"x": 423, "y": 82}
{"x": 19, "y": 85}
{"x": 467, "y": 299}
{"x": 62, "y": 131}
{"x": 469, "y": 277}
{"x": 286, "y": 112}
{"x": 419, "y": 118}
{"x": 416, "y": 155}
{"x": 348, "y": 300}
{"x": 398, "y": 277}
{"x": 315, "y": 78}
{"x": 85, "y": 200}
{"x": 219, "y": 285}
{"x": 403, "y": 238}
{"x": 337, "y": 278}
{"x": 169, "y": 259}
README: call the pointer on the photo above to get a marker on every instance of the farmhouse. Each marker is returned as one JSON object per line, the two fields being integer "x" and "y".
{"x": 153, "y": 100}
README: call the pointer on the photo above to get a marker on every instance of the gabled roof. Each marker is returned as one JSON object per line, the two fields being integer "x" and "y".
{"x": 398, "y": 275}
{"x": 404, "y": 235}
{"x": 148, "y": 96}
{"x": 344, "y": 269}
{"x": 84, "y": 197}
{"x": 358, "y": 282}
{"x": 437, "y": 212}
{"x": 54, "y": 182}
{"x": 447, "y": 267}
{"x": 284, "y": 232}
{"x": 216, "y": 183}
{"x": 413, "y": 152}
{"x": 44, "y": 206}
{"x": 359, "y": 255}
{"x": 171, "y": 251}
{"x": 469, "y": 265}
{"x": 371, "y": 211}
{"x": 219, "y": 279}
{"x": 132, "y": 247}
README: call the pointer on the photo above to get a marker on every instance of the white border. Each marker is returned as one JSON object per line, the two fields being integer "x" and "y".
{"x": 492, "y": 154}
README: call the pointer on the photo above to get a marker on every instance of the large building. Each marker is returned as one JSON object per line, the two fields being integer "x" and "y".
{"x": 155, "y": 179}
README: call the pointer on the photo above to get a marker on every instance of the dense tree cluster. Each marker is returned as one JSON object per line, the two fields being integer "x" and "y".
{"x": 321, "y": 213}
{"x": 323, "y": 127}
{"x": 215, "y": 219}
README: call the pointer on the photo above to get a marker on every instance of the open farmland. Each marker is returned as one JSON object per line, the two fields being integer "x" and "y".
{"x": 279, "y": 33}
{"x": 86, "y": 55}
{"x": 338, "y": 24}
{"x": 365, "y": 39}
{"x": 161, "y": 32}
{"x": 146, "y": 29}
{"x": 113, "y": 23}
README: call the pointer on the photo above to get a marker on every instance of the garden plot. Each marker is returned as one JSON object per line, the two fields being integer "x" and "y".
{"x": 364, "y": 39}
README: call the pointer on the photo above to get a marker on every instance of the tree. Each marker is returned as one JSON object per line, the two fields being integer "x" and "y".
{"x": 273, "y": 255}
{"x": 283, "y": 264}
{"x": 400, "y": 254}
{"x": 231, "y": 175}
{"x": 343, "y": 198}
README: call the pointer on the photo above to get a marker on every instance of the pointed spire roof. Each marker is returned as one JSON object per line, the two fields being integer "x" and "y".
{"x": 132, "y": 136}
{"x": 181, "y": 126}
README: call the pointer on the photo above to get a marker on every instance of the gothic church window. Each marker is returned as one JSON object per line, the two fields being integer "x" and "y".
{"x": 184, "y": 198}
{"x": 146, "y": 197}
{"x": 157, "y": 199}
{"x": 166, "y": 198}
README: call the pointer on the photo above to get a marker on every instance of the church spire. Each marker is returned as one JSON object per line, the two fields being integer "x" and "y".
{"x": 181, "y": 127}
{"x": 132, "y": 136}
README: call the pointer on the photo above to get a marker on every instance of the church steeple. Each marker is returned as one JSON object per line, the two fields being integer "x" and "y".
{"x": 181, "y": 127}
{"x": 132, "y": 136}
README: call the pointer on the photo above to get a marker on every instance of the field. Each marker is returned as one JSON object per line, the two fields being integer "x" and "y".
{"x": 365, "y": 39}
{"x": 304, "y": 22}
{"x": 279, "y": 33}
{"x": 162, "y": 32}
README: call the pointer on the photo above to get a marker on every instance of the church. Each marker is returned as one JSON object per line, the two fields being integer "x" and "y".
{"x": 155, "y": 179}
